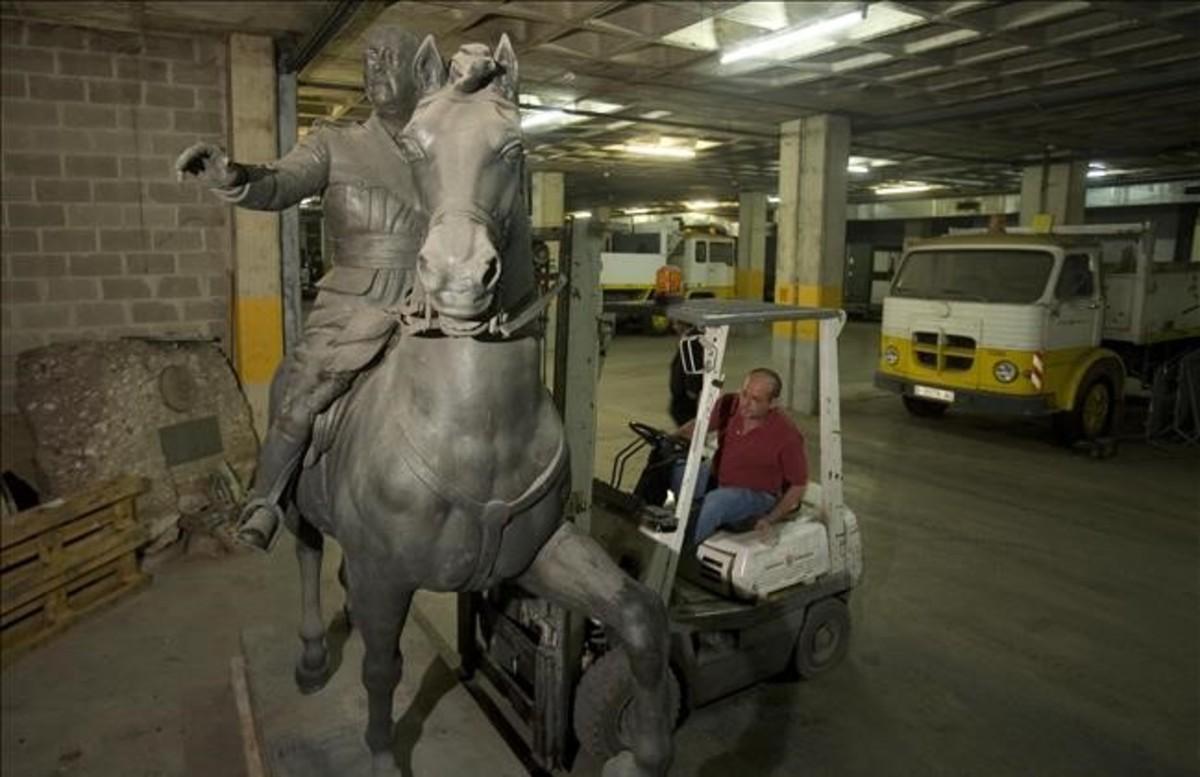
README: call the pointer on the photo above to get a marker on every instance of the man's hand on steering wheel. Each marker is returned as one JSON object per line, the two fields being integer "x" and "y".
{"x": 657, "y": 437}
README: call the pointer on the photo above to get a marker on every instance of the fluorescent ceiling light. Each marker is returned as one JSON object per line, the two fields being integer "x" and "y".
{"x": 904, "y": 187}
{"x": 866, "y": 161}
{"x": 582, "y": 214}
{"x": 534, "y": 119}
{"x": 541, "y": 119}
{"x": 702, "y": 204}
{"x": 781, "y": 40}
{"x": 669, "y": 152}
{"x": 598, "y": 106}
{"x": 656, "y": 114}
{"x": 634, "y": 211}
{"x": 773, "y": 199}
{"x": 857, "y": 169}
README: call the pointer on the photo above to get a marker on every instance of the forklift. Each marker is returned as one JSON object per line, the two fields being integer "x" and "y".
{"x": 746, "y": 607}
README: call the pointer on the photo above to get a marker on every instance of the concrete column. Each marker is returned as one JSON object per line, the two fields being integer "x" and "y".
{"x": 752, "y": 245}
{"x": 915, "y": 229}
{"x": 812, "y": 243}
{"x": 258, "y": 308}
{"x": 547, "y": 193}
{"x": 1057, "y": 190}
{"x": 547, "y": 190}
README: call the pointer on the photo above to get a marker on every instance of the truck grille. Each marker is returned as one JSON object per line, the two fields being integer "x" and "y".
{"x": 943, "y": 352}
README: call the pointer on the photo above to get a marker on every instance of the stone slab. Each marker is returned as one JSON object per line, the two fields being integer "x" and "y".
{"x": 440, "y": 729}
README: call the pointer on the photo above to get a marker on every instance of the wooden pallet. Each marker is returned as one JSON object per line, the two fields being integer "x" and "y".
{"x": 61, "y": 560}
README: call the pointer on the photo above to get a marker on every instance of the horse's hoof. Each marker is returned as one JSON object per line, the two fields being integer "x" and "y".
{"x": 309, "y": 681}
{"x": 623, "y": 765}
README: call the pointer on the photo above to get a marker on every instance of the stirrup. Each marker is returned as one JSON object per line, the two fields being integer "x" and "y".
{"x": 249, "y": 509}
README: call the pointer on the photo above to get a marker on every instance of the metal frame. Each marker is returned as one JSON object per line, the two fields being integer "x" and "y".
{"x": 714, "y": 317}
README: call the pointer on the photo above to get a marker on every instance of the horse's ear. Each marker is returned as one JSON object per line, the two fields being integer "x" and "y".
{"x": 507, "y": 58}
{"x": 428, "y": 68}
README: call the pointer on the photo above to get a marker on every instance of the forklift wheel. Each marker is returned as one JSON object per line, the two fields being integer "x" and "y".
{"x": 824, "y": 639}
{"x": 604, "y": 705}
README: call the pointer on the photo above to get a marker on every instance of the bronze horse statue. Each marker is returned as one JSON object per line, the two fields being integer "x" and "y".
{"x": 448, "y": 470}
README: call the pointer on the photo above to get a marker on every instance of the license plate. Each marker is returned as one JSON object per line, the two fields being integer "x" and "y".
{"x": 941, "y": 395}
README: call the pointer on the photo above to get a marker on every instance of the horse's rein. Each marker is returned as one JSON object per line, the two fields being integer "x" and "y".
{"x": 417, "y": 316}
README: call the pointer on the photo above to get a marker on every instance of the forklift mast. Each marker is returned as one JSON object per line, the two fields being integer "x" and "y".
{"x": 524, "y": 675}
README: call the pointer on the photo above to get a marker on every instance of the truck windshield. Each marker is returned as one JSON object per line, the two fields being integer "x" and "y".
{"x": 636, "y": 243}
{"x": 1012, "y": 277}
{"x": 721, "y": 253}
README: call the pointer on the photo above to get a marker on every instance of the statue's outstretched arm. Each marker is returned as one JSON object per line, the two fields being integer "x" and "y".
{"x": 303, "y": 172}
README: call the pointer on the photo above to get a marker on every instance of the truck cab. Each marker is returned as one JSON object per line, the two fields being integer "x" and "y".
{"x": 704, "y": 256}
{"x": 1028, "y": 323}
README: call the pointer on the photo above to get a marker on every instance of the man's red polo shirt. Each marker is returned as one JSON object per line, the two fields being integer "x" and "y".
{"x": 768, "y": 458}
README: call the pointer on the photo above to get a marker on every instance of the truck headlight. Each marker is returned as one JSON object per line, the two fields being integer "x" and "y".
{"x": 1005, "y": 371}
{"x": 891, "y": 355}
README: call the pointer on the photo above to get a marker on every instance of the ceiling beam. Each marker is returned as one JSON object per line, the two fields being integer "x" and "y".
{"x": 1186, "y": 76}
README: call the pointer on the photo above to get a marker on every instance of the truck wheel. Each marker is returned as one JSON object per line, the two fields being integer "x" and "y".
{"x": 1097, "y": 405}
{"x": 824, "y": 638}
{"x": 924, "y": 408}
{"x": 604, "y": 705}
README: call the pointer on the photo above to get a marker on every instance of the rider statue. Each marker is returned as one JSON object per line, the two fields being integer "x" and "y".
{"x": 371, "y": 211}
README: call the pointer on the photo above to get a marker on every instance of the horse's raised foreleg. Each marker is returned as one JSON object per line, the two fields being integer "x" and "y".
{"x": 575, "y": 572}
{"x": 312, "y": 668}
{"x": 380, "y": 609}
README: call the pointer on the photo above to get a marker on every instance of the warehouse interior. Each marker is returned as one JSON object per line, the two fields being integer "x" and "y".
{"x": 1027, "y": 599}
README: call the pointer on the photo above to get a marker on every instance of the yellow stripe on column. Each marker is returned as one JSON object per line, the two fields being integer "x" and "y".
{"x": 750, "y": 284}
{"x": 804, "y": 295}
{"x": 258, "y": 332}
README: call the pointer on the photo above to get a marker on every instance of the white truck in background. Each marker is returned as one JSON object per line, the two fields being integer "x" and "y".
{"x": 704, "y": 256}
{"x": 1032, "y": 323}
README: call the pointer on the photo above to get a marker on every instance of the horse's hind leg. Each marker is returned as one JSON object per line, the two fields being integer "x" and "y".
{"x": 312, "y": 668}
{"x": 380, "y": 609}
{"x": 574, "y": 571}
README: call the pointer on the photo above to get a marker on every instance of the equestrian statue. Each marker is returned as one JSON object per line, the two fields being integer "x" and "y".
{"x": 443, "y": 465}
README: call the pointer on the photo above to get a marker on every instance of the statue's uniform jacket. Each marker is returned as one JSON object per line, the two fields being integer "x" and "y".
{"x": 375, "y": 228}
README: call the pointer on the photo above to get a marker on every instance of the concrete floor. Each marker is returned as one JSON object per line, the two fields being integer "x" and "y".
{"x": 1026, "y": 611}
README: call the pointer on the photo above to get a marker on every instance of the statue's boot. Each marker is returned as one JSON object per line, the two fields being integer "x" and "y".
{"x": 262, "y": 515}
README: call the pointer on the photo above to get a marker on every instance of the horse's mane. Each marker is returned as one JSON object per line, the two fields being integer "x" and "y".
{"x": 473, "y": 68}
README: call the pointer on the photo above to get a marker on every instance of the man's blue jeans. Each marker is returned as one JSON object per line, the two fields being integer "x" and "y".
{"x": 721, "y": 506}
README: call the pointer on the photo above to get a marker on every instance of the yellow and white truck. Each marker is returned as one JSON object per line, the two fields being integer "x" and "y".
{"x": 704, "y": 256}
{"x": 1035, "y": 323}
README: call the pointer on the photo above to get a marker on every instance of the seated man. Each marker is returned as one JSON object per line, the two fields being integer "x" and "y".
{"x": 760, "y": 469}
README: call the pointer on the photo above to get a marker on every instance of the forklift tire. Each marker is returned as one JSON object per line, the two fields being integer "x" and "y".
{"x": 604, "y": 703}
{"x": 924, "y": 408}
{"x": 824, "y": 638}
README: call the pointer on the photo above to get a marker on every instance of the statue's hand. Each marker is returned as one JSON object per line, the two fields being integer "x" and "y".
{"x": 209, "y": 163}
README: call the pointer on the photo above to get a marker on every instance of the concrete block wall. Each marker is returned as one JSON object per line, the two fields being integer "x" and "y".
{"x": 99, "y": 238}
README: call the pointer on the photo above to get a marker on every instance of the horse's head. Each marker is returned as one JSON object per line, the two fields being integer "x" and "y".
{"x": 464, "y": 143}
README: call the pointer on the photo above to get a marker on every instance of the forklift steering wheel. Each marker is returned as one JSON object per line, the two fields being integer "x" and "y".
{"x": 656, "y": 437}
